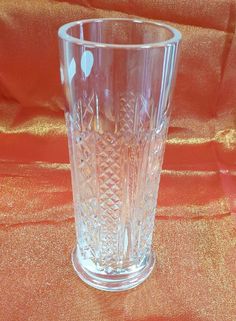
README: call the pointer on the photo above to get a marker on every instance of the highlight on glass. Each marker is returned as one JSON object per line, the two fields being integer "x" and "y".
{"x": 118, "y": 75}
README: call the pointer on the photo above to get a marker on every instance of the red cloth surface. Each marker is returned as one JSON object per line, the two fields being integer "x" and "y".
{"x": 194, "y": 279}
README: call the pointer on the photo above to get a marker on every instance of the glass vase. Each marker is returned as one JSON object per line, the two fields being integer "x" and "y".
{"x": 118, "y": 75}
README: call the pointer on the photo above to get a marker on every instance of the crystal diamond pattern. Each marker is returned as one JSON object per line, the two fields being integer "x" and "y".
{"x": 109, "y": 177}
{"x": 116, "y": 179}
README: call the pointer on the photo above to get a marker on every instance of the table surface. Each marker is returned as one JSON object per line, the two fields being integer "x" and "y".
{"x": 194, "y": 239}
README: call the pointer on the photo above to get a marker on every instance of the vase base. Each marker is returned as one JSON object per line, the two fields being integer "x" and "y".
{"x": 113, "y": 282}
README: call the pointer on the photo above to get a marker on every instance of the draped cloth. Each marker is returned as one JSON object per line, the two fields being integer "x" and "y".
{"x": 194, "y": 240}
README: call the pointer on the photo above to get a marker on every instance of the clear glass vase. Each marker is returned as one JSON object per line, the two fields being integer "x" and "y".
{"x": 118, "y": 75}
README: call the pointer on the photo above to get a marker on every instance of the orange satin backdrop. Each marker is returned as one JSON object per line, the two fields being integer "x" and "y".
{"x": 194, "y": 279}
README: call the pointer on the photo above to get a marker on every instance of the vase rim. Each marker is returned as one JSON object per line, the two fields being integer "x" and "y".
{"x": 174, "y": 39}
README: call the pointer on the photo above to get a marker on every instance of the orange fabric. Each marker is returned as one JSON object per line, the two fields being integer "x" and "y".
{"x": 195, "y": 230}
